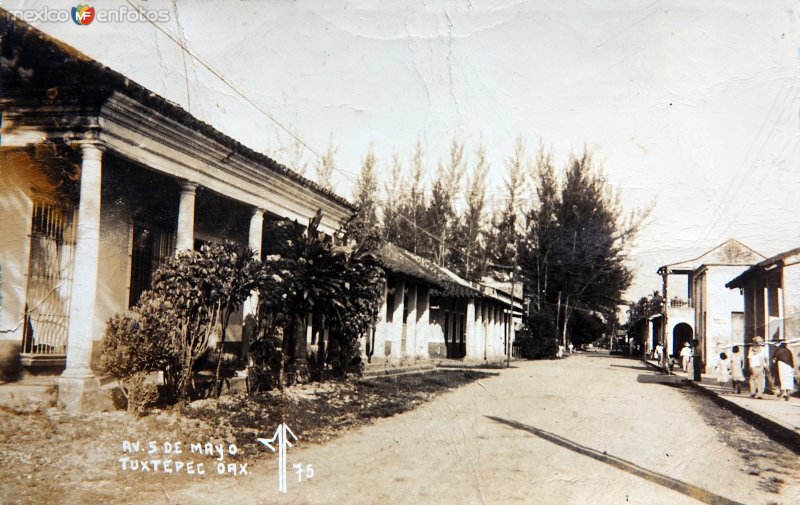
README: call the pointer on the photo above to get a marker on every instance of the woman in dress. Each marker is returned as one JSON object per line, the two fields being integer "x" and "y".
{"x": 785, "y": 361}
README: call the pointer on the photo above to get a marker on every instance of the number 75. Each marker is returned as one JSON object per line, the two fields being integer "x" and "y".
{"x": 309, "y": 471}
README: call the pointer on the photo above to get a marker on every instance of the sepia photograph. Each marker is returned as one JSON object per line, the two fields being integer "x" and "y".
{"x": 400, "y": 252}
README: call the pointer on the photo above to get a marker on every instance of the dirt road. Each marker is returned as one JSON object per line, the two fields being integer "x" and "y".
{"x": 582, "y": 430}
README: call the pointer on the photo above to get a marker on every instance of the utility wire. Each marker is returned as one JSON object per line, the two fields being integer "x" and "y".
{"x": 180, "y": 43}
{"x": 227, "y": 82}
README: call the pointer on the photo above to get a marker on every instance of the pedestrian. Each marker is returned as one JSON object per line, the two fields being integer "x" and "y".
{"x": 785, "y": 361}
{"x": 571, "y": 347}
{"x": 771, "y": 373}
{"x": 737, "y": 369}
{"x": 657, "y": 352}
{"x": 686, "y": 353}
{"x": 723, "y": 370}
{"x": 757, "y": 360}
{"x": 697, "y": 361}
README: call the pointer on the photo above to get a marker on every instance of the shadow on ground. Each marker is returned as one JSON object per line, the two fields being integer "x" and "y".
{"x": 679, "y": 486}
{"x": 632, "y": 367}
{"x": 667, "y": 380}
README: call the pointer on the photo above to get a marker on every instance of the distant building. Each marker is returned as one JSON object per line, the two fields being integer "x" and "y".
{"x": 430, "y": 312}
{"x": 770, "y": 291}
{"x": 710, "y": 313}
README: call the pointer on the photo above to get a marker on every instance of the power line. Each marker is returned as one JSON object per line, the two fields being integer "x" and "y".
{"x": 222, "y": 78}
{"x": 742, "y": 172}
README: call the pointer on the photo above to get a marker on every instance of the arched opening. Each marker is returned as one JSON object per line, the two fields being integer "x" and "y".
{"x": 682, "y": 332}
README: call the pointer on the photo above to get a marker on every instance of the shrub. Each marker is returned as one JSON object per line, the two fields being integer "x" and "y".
{"x": 197, "y": 290}
{"x": 142, "y": 394}
{"x": 133, "y": 346}
{"x": 536, "y": 346}
{"x": 172, "y": 325}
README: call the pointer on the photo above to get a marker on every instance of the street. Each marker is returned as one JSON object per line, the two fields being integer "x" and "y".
{"x": 589, "y": 429}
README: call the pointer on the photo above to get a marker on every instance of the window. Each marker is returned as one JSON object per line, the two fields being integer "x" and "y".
{"x": 47, "y": 297}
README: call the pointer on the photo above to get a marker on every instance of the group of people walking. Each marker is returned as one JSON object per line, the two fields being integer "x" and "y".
{"x": 758, "y": 371}
{"x": 690, "y": 359}
{"x": 731, "y": 370}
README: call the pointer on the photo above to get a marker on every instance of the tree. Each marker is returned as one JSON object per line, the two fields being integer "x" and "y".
{"x": 326, "y": 165}
{"x": 354, "y": 316}
{"x": 409, "y": 210}
{"x": 440, "y": 216}
{"x": 505, "y": 237}
{"x": 295, "y": 155}
{"x": 307, "y": 273}
{"x": 393, "y": 224}
{"x": 235, "y": 273}
{"x": 170, "y": 329}
{"x": 541, "y": 230}
{"x": 469, "y": 252}
{"x": 364, "y": 225}
{"x": 576, "y": 245}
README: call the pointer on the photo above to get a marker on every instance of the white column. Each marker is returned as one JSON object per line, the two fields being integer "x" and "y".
{"x": 484, "y": 329}
{"x": 397, "y": 320}
{"x": 256, "y": 231}
{"x": 507, "y": 332}
{"x": 500, "y": 337}
{"x": 78, "y": 378}
{"x": 411, "y": 325}
{"x": 423, "y": 321}
{"x": 765, "y": 302}
{"x": 495, "y": 346}
{"x": 471, "y": 329}
{"x": 381, "y": 326}
{"x": 479, "y": 333}
{"x": 487, "y": 327}
{"x": 781, "y": 327}
{"x": 254, "y": 241}
{"x": 250, "y": 306}
{"x": 185, "y": 238}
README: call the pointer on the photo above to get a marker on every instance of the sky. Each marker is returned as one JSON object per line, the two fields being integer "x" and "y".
{"x": 691, "y": 107}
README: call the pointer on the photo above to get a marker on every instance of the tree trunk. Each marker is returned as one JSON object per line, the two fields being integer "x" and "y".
{"x": 558, "y": 316}
{"x": 217, "y": 382}
{"x": 300, "y": 362}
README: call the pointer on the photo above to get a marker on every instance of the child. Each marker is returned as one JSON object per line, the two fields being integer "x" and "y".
{"x": 723, "y": 370}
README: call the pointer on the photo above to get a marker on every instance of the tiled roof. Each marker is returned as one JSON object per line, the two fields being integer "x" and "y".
{"x": 761, "y": 266}
{"x": 398, "y": 260}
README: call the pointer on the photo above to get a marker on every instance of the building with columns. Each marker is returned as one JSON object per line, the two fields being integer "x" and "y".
{"x": 100, "y": 181}
{"x": 429, "y": 312}
{"x": 770, "y": 291}
{"x": 710, "y": 313}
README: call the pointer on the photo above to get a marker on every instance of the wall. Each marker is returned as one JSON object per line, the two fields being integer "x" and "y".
{"x": 436, "y": 343}
{"x": 15, "y": 215}
{"x": 791, "y": 299}
{"x": 678, "y": 315}
{"x": 721, "y": 302}
{"x": 113, "y": 263}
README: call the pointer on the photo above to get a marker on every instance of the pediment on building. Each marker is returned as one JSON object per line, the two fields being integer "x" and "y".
{"x": 730, "y": 252}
